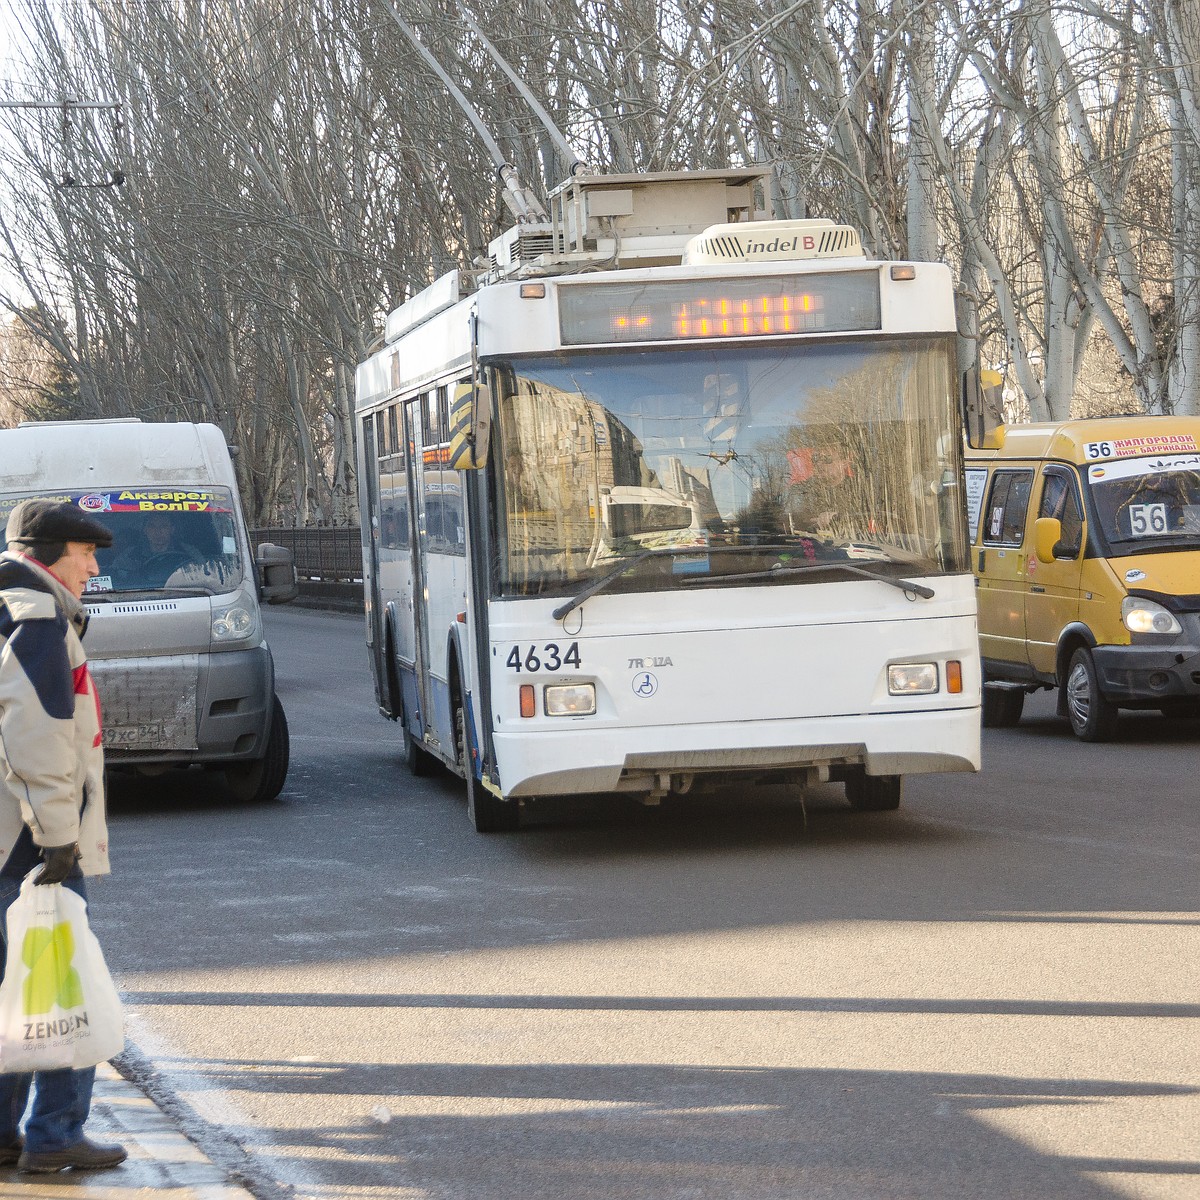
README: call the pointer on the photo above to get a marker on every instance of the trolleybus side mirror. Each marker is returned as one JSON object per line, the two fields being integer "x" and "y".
{"x": 277, "y": 569}
{"x": 470, "y": 425}
{"x": 982, "y": 405}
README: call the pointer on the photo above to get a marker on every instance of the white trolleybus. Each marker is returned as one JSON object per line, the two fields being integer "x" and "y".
{"x": 673, "y": 499}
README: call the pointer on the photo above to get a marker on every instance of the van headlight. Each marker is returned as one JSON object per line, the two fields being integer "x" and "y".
{"x": 912, "y": 679}
{"x": 1145, "y": 616}
{"x": 233, "y": 623}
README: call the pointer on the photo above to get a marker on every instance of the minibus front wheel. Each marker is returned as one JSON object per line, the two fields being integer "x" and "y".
{"x": 1092, "y": 715}
{"x": 262, "y": 779}
{"x": 1002, "y": 706}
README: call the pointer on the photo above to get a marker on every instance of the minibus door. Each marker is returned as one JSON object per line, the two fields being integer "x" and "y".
{"x": 1052, "y": 600}
{"x": 1001, "y": 569}
{"x": 418, "y": 441}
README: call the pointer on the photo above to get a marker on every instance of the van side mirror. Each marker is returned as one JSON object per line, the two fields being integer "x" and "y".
{"x": 1047, "y": 534}
{"x": 277, "y": 569}
{"x": 470, "y": 427}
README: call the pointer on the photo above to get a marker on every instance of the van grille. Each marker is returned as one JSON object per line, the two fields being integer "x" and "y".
{"x": 142, "y": 606}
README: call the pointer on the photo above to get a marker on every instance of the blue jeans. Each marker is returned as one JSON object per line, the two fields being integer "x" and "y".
{"x": 61, "y": 1099}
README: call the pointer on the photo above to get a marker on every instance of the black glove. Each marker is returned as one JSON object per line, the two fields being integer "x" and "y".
{"x": 58, "y": 861}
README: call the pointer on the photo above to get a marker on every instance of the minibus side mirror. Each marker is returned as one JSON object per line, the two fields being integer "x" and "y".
{"x": 1047, "y": 536}
{"x": 470, "y": 426}
{"x": 277, "y": 569}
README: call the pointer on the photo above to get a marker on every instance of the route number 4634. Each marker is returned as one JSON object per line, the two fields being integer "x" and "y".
{"x": 550, "y": 657}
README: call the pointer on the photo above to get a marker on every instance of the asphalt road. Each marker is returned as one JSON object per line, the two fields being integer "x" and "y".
{"x": 349, "y": 993}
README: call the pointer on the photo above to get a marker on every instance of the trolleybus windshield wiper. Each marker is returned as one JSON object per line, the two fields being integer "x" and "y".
{"x": 626, "y": 564}
{"x": 905, "y": 585}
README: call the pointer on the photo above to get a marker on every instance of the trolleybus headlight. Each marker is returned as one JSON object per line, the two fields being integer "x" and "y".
{"x": 570, "y": 699}
{"x": 1144, "y": 616}
{"x": 912, "y": 679}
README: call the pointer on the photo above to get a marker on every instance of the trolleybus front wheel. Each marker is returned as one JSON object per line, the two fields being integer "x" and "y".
{"x": 874, "y": 793}
{"x": 488, "y": 813}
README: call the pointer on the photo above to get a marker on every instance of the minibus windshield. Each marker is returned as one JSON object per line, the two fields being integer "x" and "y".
{"x": 1148, "y": 503}
{"x": 735, "y": 460}
{"x": 165, "y": 539}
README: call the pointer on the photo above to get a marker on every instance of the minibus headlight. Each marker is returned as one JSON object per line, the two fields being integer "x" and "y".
{"x": 570, "y": 699}
{"x": 232, "y": 624}
{"x": 1144, "y": 616}
{"x": 912, "y": 679}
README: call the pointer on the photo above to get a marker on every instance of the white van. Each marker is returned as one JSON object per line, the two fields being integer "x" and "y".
{"x": 175, "y": 638}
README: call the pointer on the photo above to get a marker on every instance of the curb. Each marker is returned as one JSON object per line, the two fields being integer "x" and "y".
{"x": 161, "y": 1160}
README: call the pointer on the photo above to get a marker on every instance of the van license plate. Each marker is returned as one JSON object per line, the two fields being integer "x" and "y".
{"x": 134, "y": 735}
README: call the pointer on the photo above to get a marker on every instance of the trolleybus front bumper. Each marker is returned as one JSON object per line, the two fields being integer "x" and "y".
{"x": 578, "y": 760}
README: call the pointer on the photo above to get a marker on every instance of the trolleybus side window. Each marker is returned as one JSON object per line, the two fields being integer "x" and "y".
{"x": 429, "y": 423}
{"x": 393, "y": 443}
{"x": 443, "y": 414}
{"x": 443, "y": 487}
{"x": 1007, "y": 507}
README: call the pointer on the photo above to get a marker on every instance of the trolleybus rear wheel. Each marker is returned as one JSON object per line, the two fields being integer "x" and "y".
{"x": 486, "y": 812}
{"x": 419, "y": 762}
{"x": 874, "y": 793}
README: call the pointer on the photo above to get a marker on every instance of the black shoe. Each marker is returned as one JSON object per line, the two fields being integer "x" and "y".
{"x": 11, "y": 1152}
{"x": 83, "y": 1156}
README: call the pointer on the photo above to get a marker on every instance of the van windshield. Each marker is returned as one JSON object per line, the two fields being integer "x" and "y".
{"x": 164, "y": 539}
{"x": 1148, "y": 503}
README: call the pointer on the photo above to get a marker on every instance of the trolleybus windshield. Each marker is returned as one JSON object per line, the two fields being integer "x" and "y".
{"x": 735, "y": 458}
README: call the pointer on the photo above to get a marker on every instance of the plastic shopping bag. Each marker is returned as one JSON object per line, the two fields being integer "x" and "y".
{"x": 58, "y": 1005}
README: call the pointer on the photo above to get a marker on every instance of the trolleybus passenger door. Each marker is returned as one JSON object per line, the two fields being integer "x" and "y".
{"x": 419, "y": 442}
{"x": 369, "y": 496}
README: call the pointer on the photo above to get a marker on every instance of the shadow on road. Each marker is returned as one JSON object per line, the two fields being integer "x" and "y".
{"x": 654, "y": 1130}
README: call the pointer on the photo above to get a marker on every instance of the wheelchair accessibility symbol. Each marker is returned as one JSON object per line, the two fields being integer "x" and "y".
{"x": 645, "y": 684}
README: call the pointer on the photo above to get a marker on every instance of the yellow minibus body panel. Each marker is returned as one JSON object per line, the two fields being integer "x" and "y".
{"x": 1126, "y": 492}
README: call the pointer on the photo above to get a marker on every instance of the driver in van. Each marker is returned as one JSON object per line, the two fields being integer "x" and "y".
{"x": 157, "y": 556}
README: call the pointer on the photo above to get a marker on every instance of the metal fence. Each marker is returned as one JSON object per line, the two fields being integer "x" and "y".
{"x": 320, "y": 553}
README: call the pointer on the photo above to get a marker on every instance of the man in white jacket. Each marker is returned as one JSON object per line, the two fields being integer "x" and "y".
{"x": 51, "y": 788}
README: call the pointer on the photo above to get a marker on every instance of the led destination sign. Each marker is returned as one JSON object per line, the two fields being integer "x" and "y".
{"x": 675, "y": 310}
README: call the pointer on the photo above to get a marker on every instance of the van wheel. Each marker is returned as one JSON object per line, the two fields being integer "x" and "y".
{"x": 874, "y": 793}
{"x": 1002, "y": 707}
{"x": 262, "y": 779}
{"x": 486, "y": 812}
{"x": 1093, "y": 717}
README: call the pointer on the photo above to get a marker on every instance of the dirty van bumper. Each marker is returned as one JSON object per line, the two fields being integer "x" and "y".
{"x": 1149, "y": 675}
{"x": 185, "y": 709}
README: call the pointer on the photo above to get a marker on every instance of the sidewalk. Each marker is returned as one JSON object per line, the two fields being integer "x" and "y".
{"x": 162, "y": 1163}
